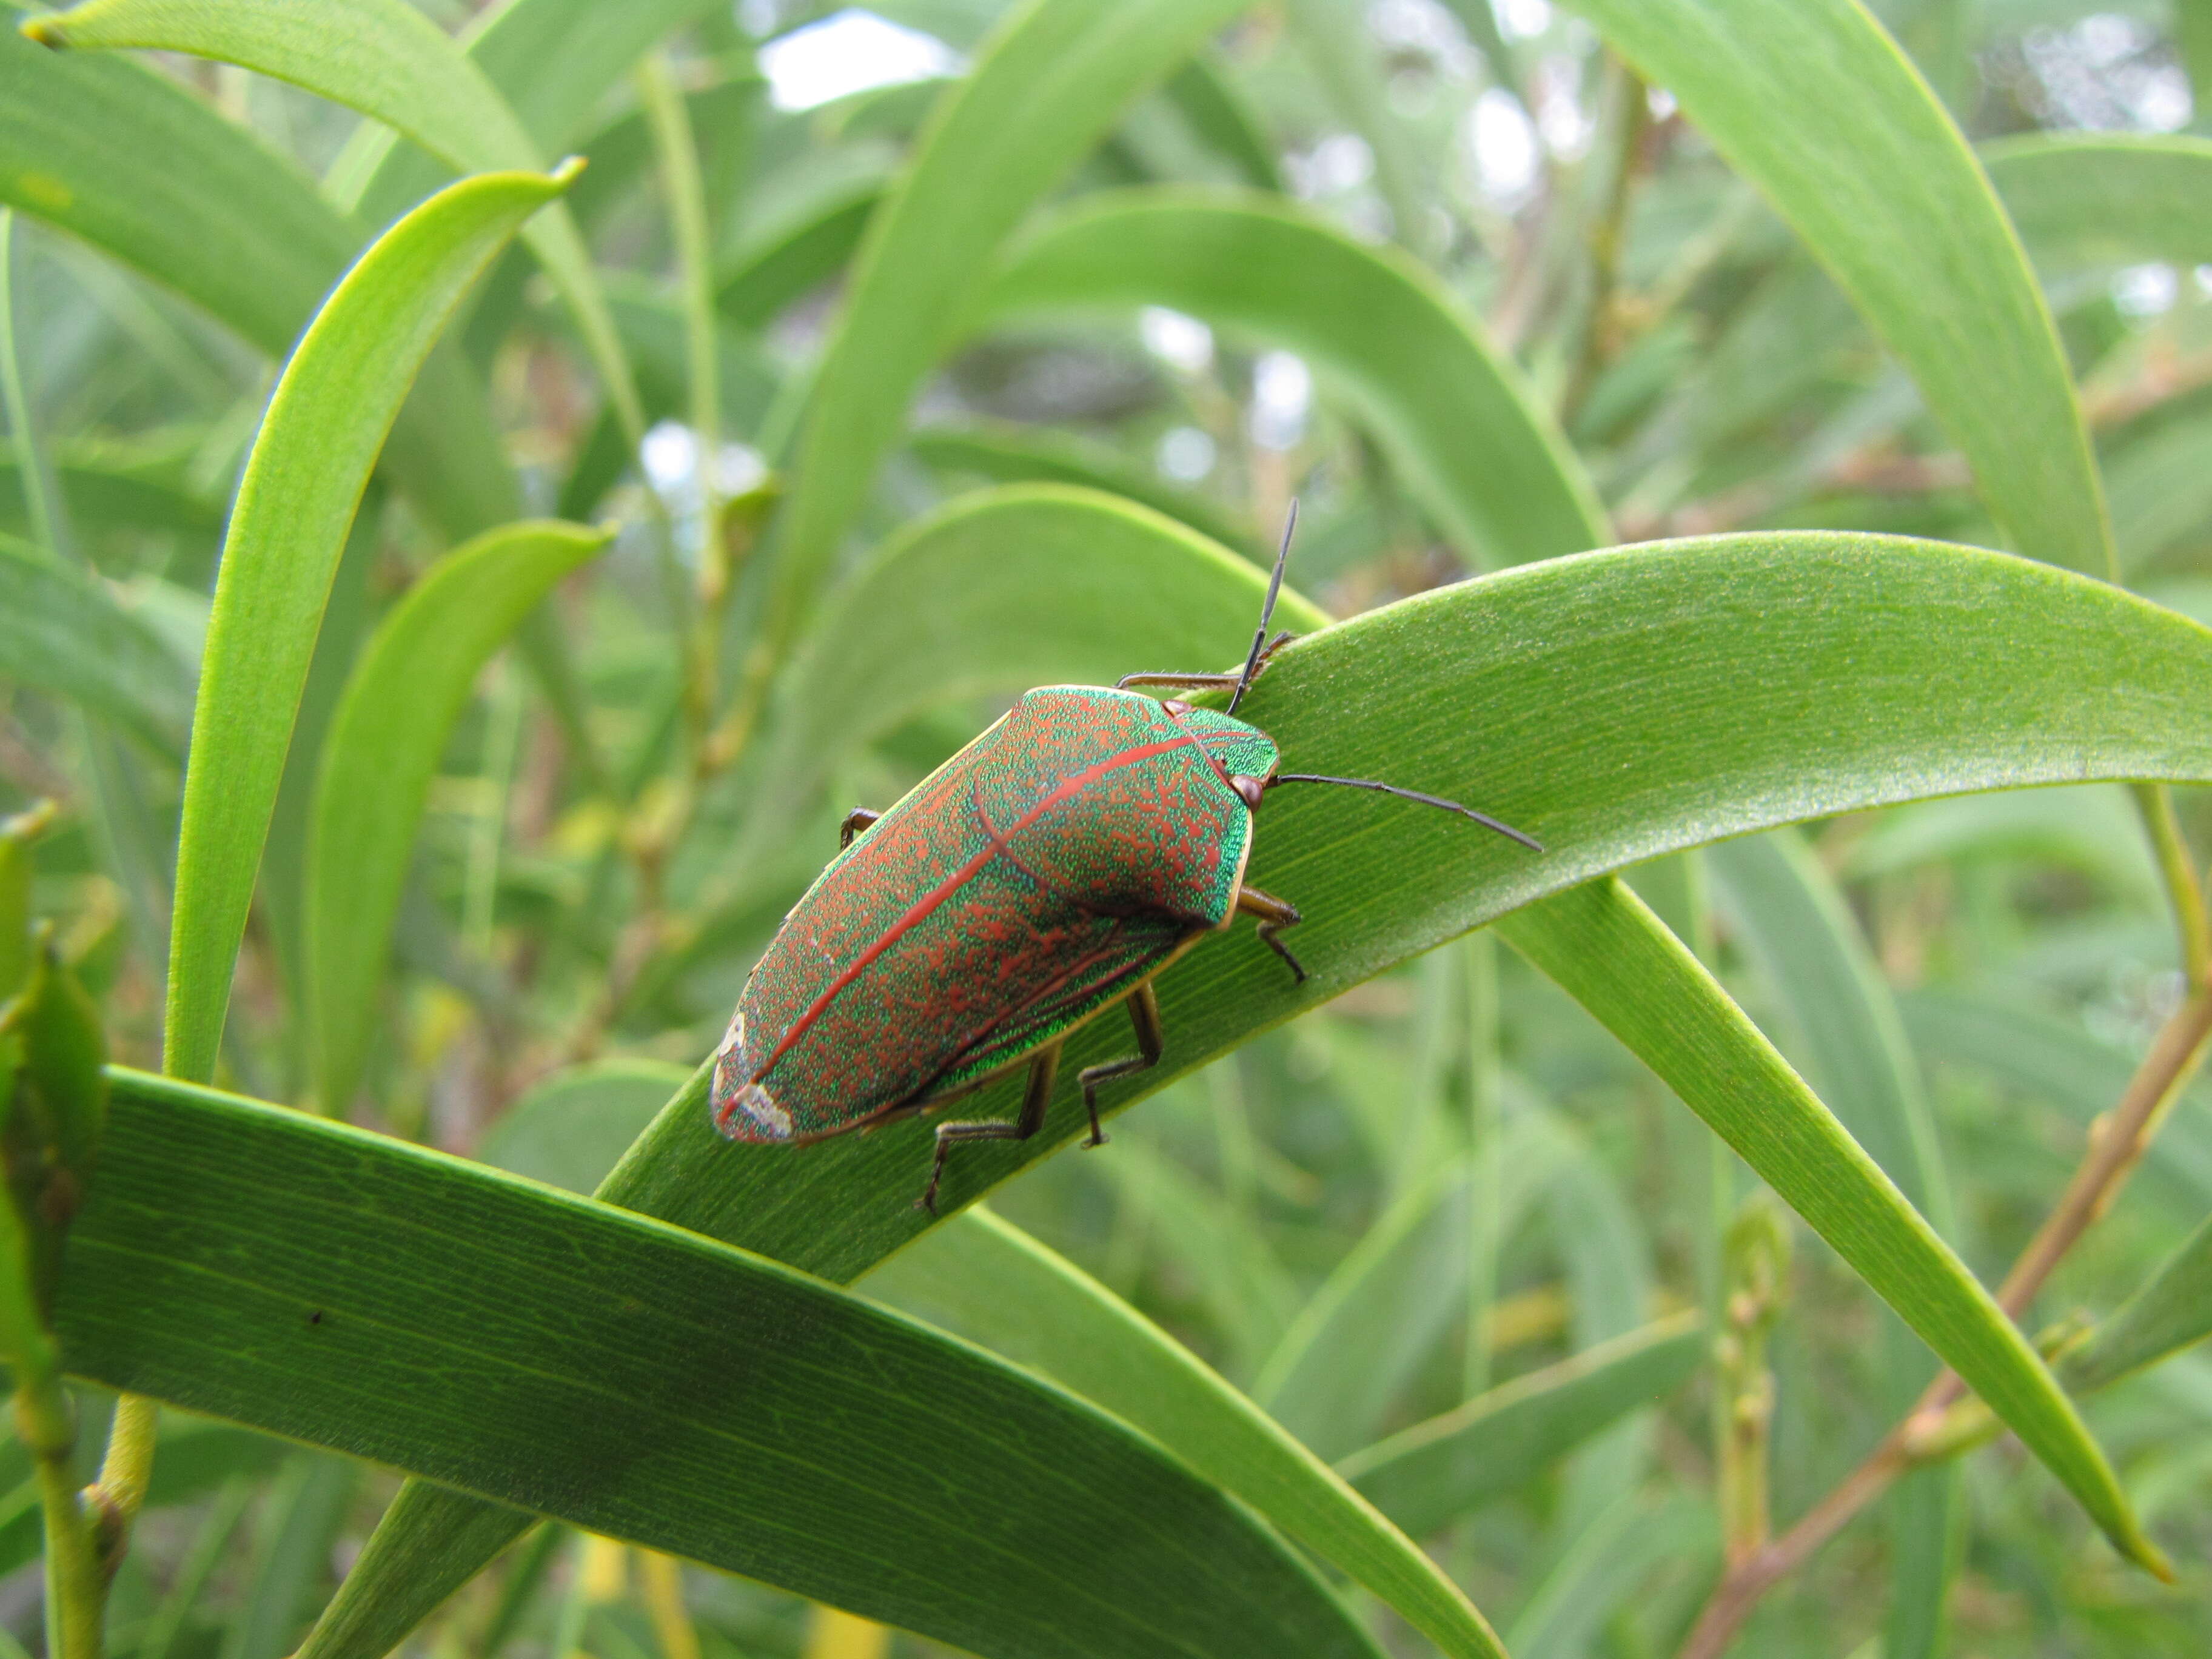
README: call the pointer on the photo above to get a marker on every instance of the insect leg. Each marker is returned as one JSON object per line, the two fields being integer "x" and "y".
{"x": 1208, "y": 681}
{"x": 1144, "y": 1015}
{"x": 1274, "y": 914}
{"x": 856, "y": 821}
{"x": 1035, "y": 1098}
{"x": 1190, "y": 682}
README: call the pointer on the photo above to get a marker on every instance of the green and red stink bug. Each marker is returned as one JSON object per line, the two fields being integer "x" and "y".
{"x": 1048, "y": 871}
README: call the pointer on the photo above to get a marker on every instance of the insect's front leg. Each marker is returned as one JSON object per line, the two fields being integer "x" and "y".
{"x": 1273, "y": 916}
{"x": 1228, "y": 682}
{"x": 1144, "y": 1015}
{"x": 1044, "y": 1066}
{"x": 856, "y": 821}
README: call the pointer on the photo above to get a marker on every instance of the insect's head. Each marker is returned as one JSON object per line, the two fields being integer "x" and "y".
{"x": 1252, "y": 781}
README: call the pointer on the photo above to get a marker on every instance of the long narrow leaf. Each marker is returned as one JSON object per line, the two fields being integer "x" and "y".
{"x": 988, "y": 1279}
{"x": 1622, "y": 705}
{"x": 1430, "y": 1475}
{"x": 1883, "y": 191}
{"x": 410, "y": 685}
{"x": 2107, "y": 198}
{"x": 1463, "y": 429}
{"x": 354, "y": 1292}
{"x": 1045, "y": 87}
{"x": 1798, "y": 929}
{"x": 386, "y": 59}
{"x": 324, "y": 423}
{"x": 62, "y": 635}
{"x": 1605, "y": 947}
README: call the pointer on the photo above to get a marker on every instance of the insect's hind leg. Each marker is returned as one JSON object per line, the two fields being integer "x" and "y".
{"x": 856, "y": 821}
{"x": 1144, "y": 1015}
{"x": 1273, "y": 914}
{"x": 1044, "y": 1066}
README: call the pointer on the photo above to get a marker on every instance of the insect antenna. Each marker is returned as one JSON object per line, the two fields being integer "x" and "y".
{"x": 1266, "y": 611}
{"x": 1482, "y": 819}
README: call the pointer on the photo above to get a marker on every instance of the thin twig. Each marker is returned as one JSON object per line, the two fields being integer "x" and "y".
{"x": 2117, "y": 1144}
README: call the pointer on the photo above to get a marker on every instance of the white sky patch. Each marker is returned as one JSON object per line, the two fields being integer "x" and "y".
{"x": 669, "y": 452}
{"x": 1520, "y": 18}
{"x": 1185, "y": 454}
{"x": 1184, "y": 342}
{"x": 1339, "y": 162}
{"x": 846, "y": 53}
{"x": 1282, "y": 393}
{"x": 2146, "y": 290}
{"x": 1503, "y": 145}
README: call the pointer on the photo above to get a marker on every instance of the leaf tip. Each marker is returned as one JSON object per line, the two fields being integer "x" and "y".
{"x": 47, "y": 31}
{"x": 565, "y": 174}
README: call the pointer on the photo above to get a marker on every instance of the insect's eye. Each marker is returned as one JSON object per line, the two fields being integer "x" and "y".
{"x": 1250, "y": 789}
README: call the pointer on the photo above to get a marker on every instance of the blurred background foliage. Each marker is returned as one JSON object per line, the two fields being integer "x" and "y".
{"x": 1448, "y": 1180}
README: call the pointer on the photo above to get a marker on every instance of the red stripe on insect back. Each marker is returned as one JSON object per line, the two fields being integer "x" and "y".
{"x": 1067, "y": 789}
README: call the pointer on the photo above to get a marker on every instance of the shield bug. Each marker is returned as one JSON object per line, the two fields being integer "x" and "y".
{"x": 1049, "y": 870}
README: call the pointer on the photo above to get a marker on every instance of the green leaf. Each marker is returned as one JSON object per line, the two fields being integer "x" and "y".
{"x": 1046, "y": 87}
{"x": 2173, "y": 1311}
{"x": 1361, "y": 1335}
{"x": 1880, "y": 670}
{"x": 410, "y": 684}
{"x": 62, "y": 635}
{"x": 124, "y": 158}
{"x": 1214, "y": 110}
{"x": 1003, "y": 453}
{"x": 1606, "y": 950}
{"x": 129, "y": 160}
{"x": 326, "y": 422}
{"x": 2088, "y": 198}
{"x": 412, "y": 1309}
{"x": 1605, "y": 1565}
{"x": 2042, "y": 1054}
{"x": 1426, "y": 1476}
{"x": 990, "y": 1281}
{"x": 1796, "y": 927}
{"x": 552, "y": 61}
{"x": 570, "y": 1130}
{"x": 1883, "y": 191}
{"x": 387, "y": 60}
{"x": 795, "y": 257}
{"x": 1460, "y": 425}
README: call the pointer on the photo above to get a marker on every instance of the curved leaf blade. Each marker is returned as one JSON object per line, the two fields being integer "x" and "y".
{"x": 1457, "y": 419}
{"x": 1430, "y": 1474}
{"x": 61, "y": 634}
{"x": 127, "y": 160}
{"x": 324, "y": 423}
{"x": 1046, "y": 87}
{"x": 1603, "y": 946}
{"x": 412, "y": 1309}
{"x": 551, "y": 61}
{"x": 385, "y": 59}
{"x": 409, "y": 684}
{"x": 1797, "y": 928}
{"x": 2106, "y": 197}
{"x": 1880, "y": 669}
{"x": 2173, "y": 1311}
{"x": 1883, "y": 191}
{"x": 988, "y": 1279}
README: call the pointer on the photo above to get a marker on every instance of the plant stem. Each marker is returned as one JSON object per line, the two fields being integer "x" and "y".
{"x": 120, "y": 1493}
{"x": 77, "y": 1586}
{"x": 2155, "y": 802}
{"x": 1607, "y": 233}
{"x": 1478, "y": 952}
{"x": 2116, "y": 1147}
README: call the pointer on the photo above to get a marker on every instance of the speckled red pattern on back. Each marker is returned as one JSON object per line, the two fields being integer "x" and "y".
{"x": 1034, "y": 877}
